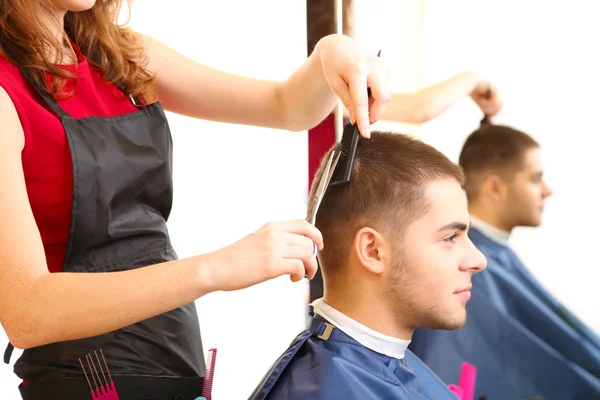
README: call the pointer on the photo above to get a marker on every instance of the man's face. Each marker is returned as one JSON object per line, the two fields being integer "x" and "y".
{"x": 433, "y": 265}
{"x": 526, "y": 192}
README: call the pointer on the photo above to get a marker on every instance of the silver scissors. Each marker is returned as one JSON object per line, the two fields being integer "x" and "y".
{"x": 315, "y": 202}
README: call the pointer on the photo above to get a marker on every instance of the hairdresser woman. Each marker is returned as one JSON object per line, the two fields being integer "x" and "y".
{"x": 85, "y": 192}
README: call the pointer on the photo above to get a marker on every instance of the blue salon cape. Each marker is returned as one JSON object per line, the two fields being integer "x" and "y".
{"x": 338, "y": 367}
{"x": 523, "y": 342}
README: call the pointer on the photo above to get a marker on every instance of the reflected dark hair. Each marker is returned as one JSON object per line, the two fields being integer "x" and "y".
{"x": 493, "y": 149}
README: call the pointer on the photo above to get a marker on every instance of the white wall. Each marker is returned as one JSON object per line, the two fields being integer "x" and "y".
{"x": 395, "y": 28}
{"x": 8, "y": 381}
{"x": 230, "y": 180}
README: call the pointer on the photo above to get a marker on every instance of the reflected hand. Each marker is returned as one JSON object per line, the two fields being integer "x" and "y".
{"x": 485, "y": 95}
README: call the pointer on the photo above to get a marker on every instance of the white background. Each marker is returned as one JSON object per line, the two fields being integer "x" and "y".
{"x": 229, "y": 180}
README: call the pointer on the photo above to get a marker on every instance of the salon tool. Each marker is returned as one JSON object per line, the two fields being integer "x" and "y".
{"x": 486, "y": 118}
{"x": 209, "y": 374}
{"x": 468, "y": 376}
{"x": 465, "y": 390}
{"x": 100, "y": 391}
{"x": 315, "y": 202}
{"x": 349, "y": 146}
{"x": 457, "y": 390}
{"x": 335, "y": 174}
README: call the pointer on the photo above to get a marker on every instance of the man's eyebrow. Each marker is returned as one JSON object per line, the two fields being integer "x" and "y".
{"x": 455, "y": 226}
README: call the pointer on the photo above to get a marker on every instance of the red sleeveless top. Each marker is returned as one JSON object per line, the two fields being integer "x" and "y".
{"x": 46, "y": 156}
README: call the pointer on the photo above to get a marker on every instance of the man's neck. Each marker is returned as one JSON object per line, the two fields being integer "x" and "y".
{"x": 373, "y": 340}
{"x": 489, "y": 215}
{"x": 370, "y": 311}
{"x": 491, "y": 232}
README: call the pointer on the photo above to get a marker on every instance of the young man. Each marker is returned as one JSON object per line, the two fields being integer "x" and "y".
{"x": 416, "y": 107}
{"x": 396, "y": 257}
{"x": 524, "y": 343}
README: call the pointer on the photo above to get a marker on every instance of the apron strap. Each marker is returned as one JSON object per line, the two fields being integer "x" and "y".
{"x": 8, "y": 353}
{"x": 137, "y": 101}
{"x": 45, "y": 96}
{"x": 97, "y": 60}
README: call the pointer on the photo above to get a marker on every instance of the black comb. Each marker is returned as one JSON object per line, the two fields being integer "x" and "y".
{"x": 349, "y": 145}
{"x": 486, "y": 118}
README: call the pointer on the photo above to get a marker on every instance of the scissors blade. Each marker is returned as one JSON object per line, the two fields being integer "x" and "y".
{"x": 315, "y": 202}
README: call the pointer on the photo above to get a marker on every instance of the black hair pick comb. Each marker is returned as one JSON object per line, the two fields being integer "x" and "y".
{"x": 349, "y": 145}
{"x": 486, "y": 118}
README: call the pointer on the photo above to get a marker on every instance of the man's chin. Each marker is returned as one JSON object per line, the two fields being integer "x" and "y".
{"x": 452, "y": 326}
{"x": 531, "y": 223}
{"x": 447, "y": 324}
{"x": 536, "y": 219}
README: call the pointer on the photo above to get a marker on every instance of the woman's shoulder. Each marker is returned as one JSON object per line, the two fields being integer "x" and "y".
{"x": 10, "y": 75}
{"x": 13, "y": 84}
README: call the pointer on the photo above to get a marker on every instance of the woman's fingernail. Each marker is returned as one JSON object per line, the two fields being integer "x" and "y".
{"x": 368, "y": 133}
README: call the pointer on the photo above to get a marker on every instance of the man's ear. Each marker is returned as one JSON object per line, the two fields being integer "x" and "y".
{"x": 495, "y": 187}
{"x": 371, "y": 250}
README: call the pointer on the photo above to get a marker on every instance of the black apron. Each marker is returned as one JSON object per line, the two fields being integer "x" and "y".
{"x": 122, "y": 197}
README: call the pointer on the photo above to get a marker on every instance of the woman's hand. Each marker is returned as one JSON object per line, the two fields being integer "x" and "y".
{"x": 350, "y": 71}
{"x": 485, "y": 95}
{"x": 278, "y": 248}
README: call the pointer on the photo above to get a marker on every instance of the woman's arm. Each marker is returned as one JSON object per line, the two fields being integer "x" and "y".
{"x": 433, "y": 101}
{"x": 37, "y": 307}
{"x": 337, "y": 68}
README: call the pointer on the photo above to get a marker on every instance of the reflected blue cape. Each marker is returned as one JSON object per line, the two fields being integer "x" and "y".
{"x": 329, "y": 365}
{"x": 523, "y": 342}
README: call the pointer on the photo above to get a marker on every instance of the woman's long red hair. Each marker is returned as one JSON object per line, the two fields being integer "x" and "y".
{"x": 26, "y": 39}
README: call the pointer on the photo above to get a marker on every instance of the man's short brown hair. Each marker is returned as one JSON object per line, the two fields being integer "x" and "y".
{"x": 493, "y": 149}
{"x": 386, "y": 192}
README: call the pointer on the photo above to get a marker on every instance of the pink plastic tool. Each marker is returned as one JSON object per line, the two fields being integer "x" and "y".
{"x": 468, "y": 376}
{"x": 457, "y": 390}
{"x": 103, "y": 389}
{"x": 209, "y": 374}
